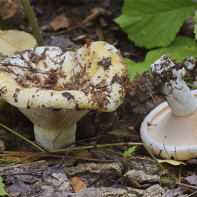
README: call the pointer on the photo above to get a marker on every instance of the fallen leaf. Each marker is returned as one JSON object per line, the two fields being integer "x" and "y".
{"x": 191, "y": 179}
{"x": 8, "y": 9}
{"x": 172, "y": 162}
{"x": 191, "y": 161}
{"x": 60, "y": 22}
{"x": 12, "y": 41}
{"x": 77, "y": 183}
{"x": 19, "y": 186}
{"x": 82, "y": 154}
{"x": 95, "y": 12}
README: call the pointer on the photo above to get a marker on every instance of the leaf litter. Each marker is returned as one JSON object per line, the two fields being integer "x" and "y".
{"x": 108, "y": 173}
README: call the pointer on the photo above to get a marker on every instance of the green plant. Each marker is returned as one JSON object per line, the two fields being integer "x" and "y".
{"x": 180, "y": 48}
{"x": 154, "y": 23}
{"x": 2, "y": 189}
{"x": 128, "y": 152}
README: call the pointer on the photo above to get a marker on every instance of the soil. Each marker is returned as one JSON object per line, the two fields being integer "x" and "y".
{"x": 96, "y": 171}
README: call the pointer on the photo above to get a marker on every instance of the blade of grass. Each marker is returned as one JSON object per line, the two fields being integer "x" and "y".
{"x": 7, "y": 160}
{"x": 24, "y": 138}
{"x": 191, "y": 85}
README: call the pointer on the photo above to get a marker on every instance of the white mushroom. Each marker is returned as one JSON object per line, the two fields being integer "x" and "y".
{"x": 170, "y": 130}
{"x": 54, "y": 87}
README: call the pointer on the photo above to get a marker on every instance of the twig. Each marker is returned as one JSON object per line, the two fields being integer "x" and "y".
{"x": 186, "y": 185}
{"x": 64, "y": 157}
{"x": 33, "y": 22}
{"x": 190, "y": 195}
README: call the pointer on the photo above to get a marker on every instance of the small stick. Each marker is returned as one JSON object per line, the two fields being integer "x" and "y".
{"x": 64, "y": 157}
{"x": 33, "y": 22}
{"x": 192, "y": 194}
{"x": 186, "y": 185}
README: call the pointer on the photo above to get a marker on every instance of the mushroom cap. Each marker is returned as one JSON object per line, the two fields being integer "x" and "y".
{"x": 168, "y": 135}
{"x": 92, "y": 77}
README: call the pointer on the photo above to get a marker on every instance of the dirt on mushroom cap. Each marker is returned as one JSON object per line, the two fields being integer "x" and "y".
{"x": 96, "y": 69}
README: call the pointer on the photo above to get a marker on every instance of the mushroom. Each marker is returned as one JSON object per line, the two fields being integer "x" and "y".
{"x": 55, "y": 87}
{"x": 169, "y": 130}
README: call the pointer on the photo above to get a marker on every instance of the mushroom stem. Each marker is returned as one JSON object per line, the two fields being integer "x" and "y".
{"x": 54, "y": 129}
{"x": 53, "y": 138}
{"x": 169, "y": 77}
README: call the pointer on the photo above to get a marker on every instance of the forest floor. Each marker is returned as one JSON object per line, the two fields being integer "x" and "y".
{"x": 98, "y": 170}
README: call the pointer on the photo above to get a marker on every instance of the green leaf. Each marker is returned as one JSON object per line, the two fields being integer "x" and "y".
{"x": 154, "y": 23}
{"x": 128, "y": 152}
{"x": 180, "y": 48}
{"x": 2, "y": 190}
{"x": 195, "y": 26}
{"x": 136, "y": 68}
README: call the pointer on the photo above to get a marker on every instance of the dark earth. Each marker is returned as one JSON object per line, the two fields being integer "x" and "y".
{"x": 103, "y": 171}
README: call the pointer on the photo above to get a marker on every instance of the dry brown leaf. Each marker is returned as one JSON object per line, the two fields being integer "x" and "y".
{"x": 8, "y": 8}
{"x": 95, "y": 12}
{"x": 60, "y": 22}
{"x": 82, "y": 154}
{"x": 77, "y": 183}
{"x": 12, "y": 41}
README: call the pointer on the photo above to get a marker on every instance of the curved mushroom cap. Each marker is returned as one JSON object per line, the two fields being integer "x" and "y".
{"x": 168, "y": 135}
{"x": 92, "y": 77}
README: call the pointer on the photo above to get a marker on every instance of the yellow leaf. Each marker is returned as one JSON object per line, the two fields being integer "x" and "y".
{"x": 172, "y": 162}
{"x": 12, "y": 41}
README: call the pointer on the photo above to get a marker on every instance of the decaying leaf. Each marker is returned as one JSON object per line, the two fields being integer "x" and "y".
{"x": 77, "y": 183}
{"x": 19, "y": 186}
{"x": 191, "y": 179}
{"x": 60, "y": 22}
{"x": 172, "y": 162}
{"x": 9, "y": 8}
{"x": 12, "y": 41}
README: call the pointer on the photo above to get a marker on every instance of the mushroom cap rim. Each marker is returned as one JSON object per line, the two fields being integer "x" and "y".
{"x": 149, "y": 141}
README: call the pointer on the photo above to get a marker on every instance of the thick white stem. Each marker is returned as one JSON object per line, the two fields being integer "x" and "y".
{"x": 179, "y": 97}
{"x": 52, "y": 138}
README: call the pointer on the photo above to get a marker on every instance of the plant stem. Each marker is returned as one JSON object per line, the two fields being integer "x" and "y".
{"x": 77, "y": 148}
{"x": 33, "y": 22}
{"x": 108, "y": 145}
{"x": 24, "y": 138}
{"x": 153, "y": 157}
{"x": 191, "y": 85}
{"x": 6, "y": 160}
{"x": 96, "y": 146}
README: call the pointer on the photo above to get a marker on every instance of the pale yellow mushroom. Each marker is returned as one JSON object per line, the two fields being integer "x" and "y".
{"x": 56, "y": 87}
